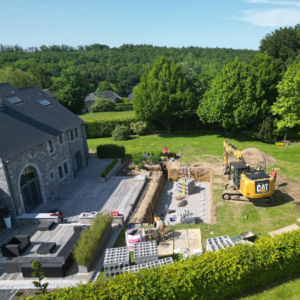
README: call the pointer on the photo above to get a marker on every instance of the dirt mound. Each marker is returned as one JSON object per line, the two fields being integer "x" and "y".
{"x": 199, "y": 174}
{"x": 252, "y": 156}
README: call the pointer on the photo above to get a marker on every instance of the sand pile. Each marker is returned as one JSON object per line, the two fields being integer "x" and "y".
{"x": 252, "y": 156}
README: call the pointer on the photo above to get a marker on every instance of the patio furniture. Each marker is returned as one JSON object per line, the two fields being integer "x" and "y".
{"x": 45, "y": 248}
{"x": 16, "y": 246}
{"x": 44, "y": 226}
{"x": 52, "y": 266}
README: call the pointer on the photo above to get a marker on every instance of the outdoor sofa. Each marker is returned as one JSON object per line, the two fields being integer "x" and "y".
{"x": 52, "y": 266}
{"x": 16, "y": 246}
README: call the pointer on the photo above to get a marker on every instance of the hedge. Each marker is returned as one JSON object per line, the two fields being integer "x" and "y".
{"x": 110, "y": 151}
{"x": 213, "y": 275}
{"x": 123, "y": 106}
{"x": 90, "y": 240}
{"x": 104, "y": 128}
{"x": 109, "y": 167}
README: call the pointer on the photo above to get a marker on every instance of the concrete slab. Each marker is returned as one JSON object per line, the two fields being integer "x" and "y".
{"x": 284, "y": 230}
{"x": 194, "y": 234}
{"x": 198, "y": 202}
{"x": 181, "y": 239}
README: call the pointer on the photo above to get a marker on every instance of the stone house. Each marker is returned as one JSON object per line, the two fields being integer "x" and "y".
{"x": 90, "y": 99}
{"x": 42, "y": 148}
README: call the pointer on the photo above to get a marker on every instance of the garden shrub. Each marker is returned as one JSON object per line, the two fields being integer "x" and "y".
{"x": 213, "y": 275}
{"x": 110, "y": 151}
{"x": 140, "y": 166}
{"x": 104, "y": 128}
{"x": 109, "y": 167}
{"x": 137, "y": 158}
{"x": 90, "y": 239}
{"x": 139, "y": 127}
{"x": 102, "y": 104}
{"x": 265, "y": 131}
{"x": 121, "y": 133}
{"x": 123, "y": 106}
{"x": 172, "y": 154}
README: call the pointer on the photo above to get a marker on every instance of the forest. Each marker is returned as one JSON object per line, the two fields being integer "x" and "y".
{"x": 122, "y": 67}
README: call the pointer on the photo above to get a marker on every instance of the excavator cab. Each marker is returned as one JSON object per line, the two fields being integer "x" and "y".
{"x": 236, "y": 170}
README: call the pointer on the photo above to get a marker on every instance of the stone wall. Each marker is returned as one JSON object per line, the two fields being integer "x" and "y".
{"x": 5, "y": 196}
{"x": 44, "y": 163}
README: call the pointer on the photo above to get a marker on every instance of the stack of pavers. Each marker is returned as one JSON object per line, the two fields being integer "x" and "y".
{"x": 114, "y": 260}
{"x": 202, "y": 200}
{"x": 187, "y": 217}
{"x": 189, "y": 186}
{"x": 145, "y": 252}
{"x": 149, "y": 265}
{"x": 221, "y": 242}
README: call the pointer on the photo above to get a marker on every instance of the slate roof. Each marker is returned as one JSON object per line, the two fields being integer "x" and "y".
{"x": 29, "y": 124}
{"x": 109, "y": 94}
{"x": 91, "y": 96}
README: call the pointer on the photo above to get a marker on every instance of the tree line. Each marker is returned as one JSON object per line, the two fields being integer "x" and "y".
{"x": 261, "y": 97}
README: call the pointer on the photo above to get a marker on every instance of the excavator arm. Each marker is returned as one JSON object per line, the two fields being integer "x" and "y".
{"x": 234, "y": 152}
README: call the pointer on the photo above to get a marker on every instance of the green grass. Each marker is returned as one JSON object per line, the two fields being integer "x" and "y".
{"x": 231, "y": 217}
{"x": 208, "y": 147}
{"x": 108, "y": 115}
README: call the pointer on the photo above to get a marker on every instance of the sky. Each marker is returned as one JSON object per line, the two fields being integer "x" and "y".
{"x": 237, "y": 24}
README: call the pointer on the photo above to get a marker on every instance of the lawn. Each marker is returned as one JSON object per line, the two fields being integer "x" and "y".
{"x": 108, "y": 115}
{"x": 207, "y": 147}
{"x": 232, "y": 218}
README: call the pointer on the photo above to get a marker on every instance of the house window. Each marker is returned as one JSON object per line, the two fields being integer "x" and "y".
{"x": 50, "y": 147}
{"x": 71, "y": 135}
{"x": 76, "y": 133}
{"x": 66, "y": 169}
{"x": 61, "y": 139}
{"x": 60, "y": 172}
{"x": 14, "y": 100}
{"x": 51, "y": 175}
{"x": 63, "y": 170}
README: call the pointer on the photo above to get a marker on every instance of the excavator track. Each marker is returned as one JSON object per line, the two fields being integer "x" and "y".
{"x": 235, "y": 195}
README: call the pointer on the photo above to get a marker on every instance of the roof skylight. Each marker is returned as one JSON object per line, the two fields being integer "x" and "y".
{"x": 44, "y": 102}
{"x": 14, "y": 100}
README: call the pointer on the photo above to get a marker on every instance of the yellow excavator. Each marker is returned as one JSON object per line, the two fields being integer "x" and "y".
{"x": 246, "y": 183}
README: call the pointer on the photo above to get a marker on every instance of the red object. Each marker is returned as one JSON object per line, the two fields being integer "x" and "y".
{"x": 51, "y": 215}
{"x": 274, "y": 174}
{"x": 115, "y": 213}
{"x": 248, "y": 193}
{"x": 165, "y": 149}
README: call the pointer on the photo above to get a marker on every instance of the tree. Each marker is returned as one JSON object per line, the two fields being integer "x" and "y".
{"x": 283, "y": 45}
{"x": 162, "y": 93}
{"x": 196, "y": 87}
{"x": 120, "y": 133}
{"x": 287, "y": 106}
{"x": 71, "y": 89}
{"x": 104, "y": 86}
{"x": 38, "y": 272}
{"x": 266, "y": 75}
{"x": 232, "y": 100}
{"x": 42, "y": 77}
{"x": 17, "y": 77}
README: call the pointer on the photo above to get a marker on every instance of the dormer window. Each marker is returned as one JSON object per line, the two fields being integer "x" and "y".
{"x": 14, "y": 100}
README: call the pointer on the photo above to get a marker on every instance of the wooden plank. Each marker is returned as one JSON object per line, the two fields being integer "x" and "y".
{"x": 284, "y": 230}
{"x": 180, "y": 239}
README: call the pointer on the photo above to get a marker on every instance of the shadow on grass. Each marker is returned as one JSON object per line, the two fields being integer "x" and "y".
{"x": 267, "y": 287}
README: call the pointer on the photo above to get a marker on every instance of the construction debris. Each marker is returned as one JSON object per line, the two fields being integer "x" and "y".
{"x": 149, "y": 265}
{"x": 221, "y": 242}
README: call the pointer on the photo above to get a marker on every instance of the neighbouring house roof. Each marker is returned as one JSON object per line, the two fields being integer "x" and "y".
{"x": 110, "y": 94}
{"x": 51, "y": 94}
{"x": 29, "y": 123}
{"x": 91, "y": 96}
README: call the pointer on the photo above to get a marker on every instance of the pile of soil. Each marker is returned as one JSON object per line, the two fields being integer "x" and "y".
{"x": 197, "y": 173}
{"x": 252, "y": 156}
